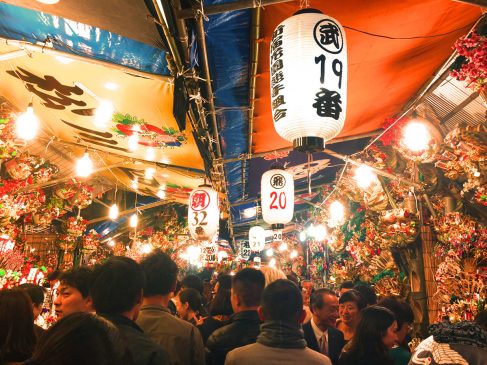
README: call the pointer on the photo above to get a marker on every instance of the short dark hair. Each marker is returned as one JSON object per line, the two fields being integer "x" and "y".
{"x": 367, "y": 293}
{"x": 35, "y": 292}
{"x": 346, "y": 285}
{"x": 481, "y": 319}
{"x": 316, "y": 299}
{"x": 248, "y": 285}
{"x": 221, "y": 303}
{"x": 81, "y": 338}
{"x": 193, "y": 282}
{"x": 353, "y": 296}
{"x": 192, "y": 297}
{"x": 160, "y": 273}
{"x": 79, "y": 278}
{"x": 282, "y": 301}
{"x": 117, "y": 285}
{"x": 401, "y": 309}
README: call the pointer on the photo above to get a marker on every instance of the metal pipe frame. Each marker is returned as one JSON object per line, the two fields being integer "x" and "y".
{"x": 226, "y": 7}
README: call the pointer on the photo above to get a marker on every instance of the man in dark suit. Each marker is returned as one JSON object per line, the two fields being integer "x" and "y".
{"x": 320, "y": 333}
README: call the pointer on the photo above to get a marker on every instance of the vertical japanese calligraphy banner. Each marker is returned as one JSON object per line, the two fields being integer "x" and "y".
{"x": 66, "y": 94}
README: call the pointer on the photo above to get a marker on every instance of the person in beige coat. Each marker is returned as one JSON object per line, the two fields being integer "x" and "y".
{"x": 281, "y": 340}
{"x": 181, "y": 340}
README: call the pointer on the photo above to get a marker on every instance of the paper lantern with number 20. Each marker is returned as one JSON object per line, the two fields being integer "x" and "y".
{"x": 203, "y": 213}
{"x": 277, "y": 196}
{"x": 308, "y": 65}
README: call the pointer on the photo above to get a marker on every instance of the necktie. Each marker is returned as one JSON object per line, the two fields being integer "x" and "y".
{"x": 324, "y": 344}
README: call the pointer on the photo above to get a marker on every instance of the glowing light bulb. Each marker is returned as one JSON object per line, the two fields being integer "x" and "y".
{"x": 135, "y": 183}
{"x": 222, "y": 255}
{"x": 27, "y": 124}
{"x": 416, "y": 136}
{"x": 272, "y": 262}
{"x": 103, "y": 114}
{"x": 133, "y": 142}
{"x": 84, "y": 166}
{"x": 150, "y": 154}
{"x": 337, "y": 213}
{"x": 111, "y": 243}
{"x": 146, "y": 248}
{"x": 302, "y": 236}
{"x": 311, "y": 231}
{"x": 161, "y": 194}
{"x": 113, "y": 212}
{"x": 364, "y": 176}
{"x": 293, "y": 254}
{"x": 283, "y": 247}
{"x": 134, "y": 220}
{"x": 193, "y": 253}
{"x": 269, "y": 252}
{"x": 320, "y": 233}
{"x": 149, "y": 173}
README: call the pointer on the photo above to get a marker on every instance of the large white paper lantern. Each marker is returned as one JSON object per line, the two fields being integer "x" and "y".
{"x": 257, "y": 238}
{"x": 308, "y": 65}
{"x": 203, "y": 213}
{"x": 277, "y": 196}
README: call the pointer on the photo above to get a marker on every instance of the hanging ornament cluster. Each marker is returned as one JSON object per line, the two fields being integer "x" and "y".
{"x": 91, "y": 240}
{"x": 308, "y": 49}
{"x": 464, "y": 157}
{"x": 470, "y": 65}
{"x": 460, "y": 234}
{"x": 203, "y": 213}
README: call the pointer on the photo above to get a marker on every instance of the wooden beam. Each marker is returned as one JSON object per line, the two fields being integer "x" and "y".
{"x": 459, "y": 107}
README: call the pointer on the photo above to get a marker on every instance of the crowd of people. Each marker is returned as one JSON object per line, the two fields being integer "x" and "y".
{"x": 124, "y": 312}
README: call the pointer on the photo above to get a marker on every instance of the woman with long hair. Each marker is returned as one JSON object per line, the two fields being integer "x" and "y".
{"x": 17, "y": 337}
{"x": 375, "y": 335}
{"x": 350, "y": 304}
{"x": 220, "y": 312}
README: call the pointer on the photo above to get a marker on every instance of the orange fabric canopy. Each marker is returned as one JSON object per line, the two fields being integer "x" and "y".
{"x": 383, "y": 74}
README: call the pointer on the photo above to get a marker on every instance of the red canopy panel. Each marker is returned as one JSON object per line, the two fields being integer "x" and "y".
{"x": 383, "y": 74}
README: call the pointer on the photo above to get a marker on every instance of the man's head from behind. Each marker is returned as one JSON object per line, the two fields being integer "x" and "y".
{"x": 282, "y": 301}
{"x": 74, "y": 292}
{"x": 324, "y": 306}
{"x": 117, "y": 287}
{"x": 247, "y": 287}
{"x": 160, "y": 273}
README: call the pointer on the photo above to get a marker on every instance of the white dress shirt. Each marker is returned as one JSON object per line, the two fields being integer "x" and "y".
{"x": 321, "y": 337}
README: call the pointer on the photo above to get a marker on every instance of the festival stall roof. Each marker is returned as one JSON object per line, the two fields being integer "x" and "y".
{"x": 394, "y": 50}
{"x": 78, "y": 67}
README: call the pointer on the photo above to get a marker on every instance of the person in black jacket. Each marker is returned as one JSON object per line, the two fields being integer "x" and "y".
{"x": 320, "y": 333}
{"x": 116, "y": 290}
{"x": 81, "y": 338}
{"x": 244, "y": 326}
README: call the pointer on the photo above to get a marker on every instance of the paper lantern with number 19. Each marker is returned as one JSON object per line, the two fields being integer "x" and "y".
{"x": 277, "y": 196}
{"x": 308, "y": 65}
{"x": 203, "y": 213}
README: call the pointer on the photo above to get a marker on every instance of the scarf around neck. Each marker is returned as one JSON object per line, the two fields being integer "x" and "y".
{"x": 281, "y": 334}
